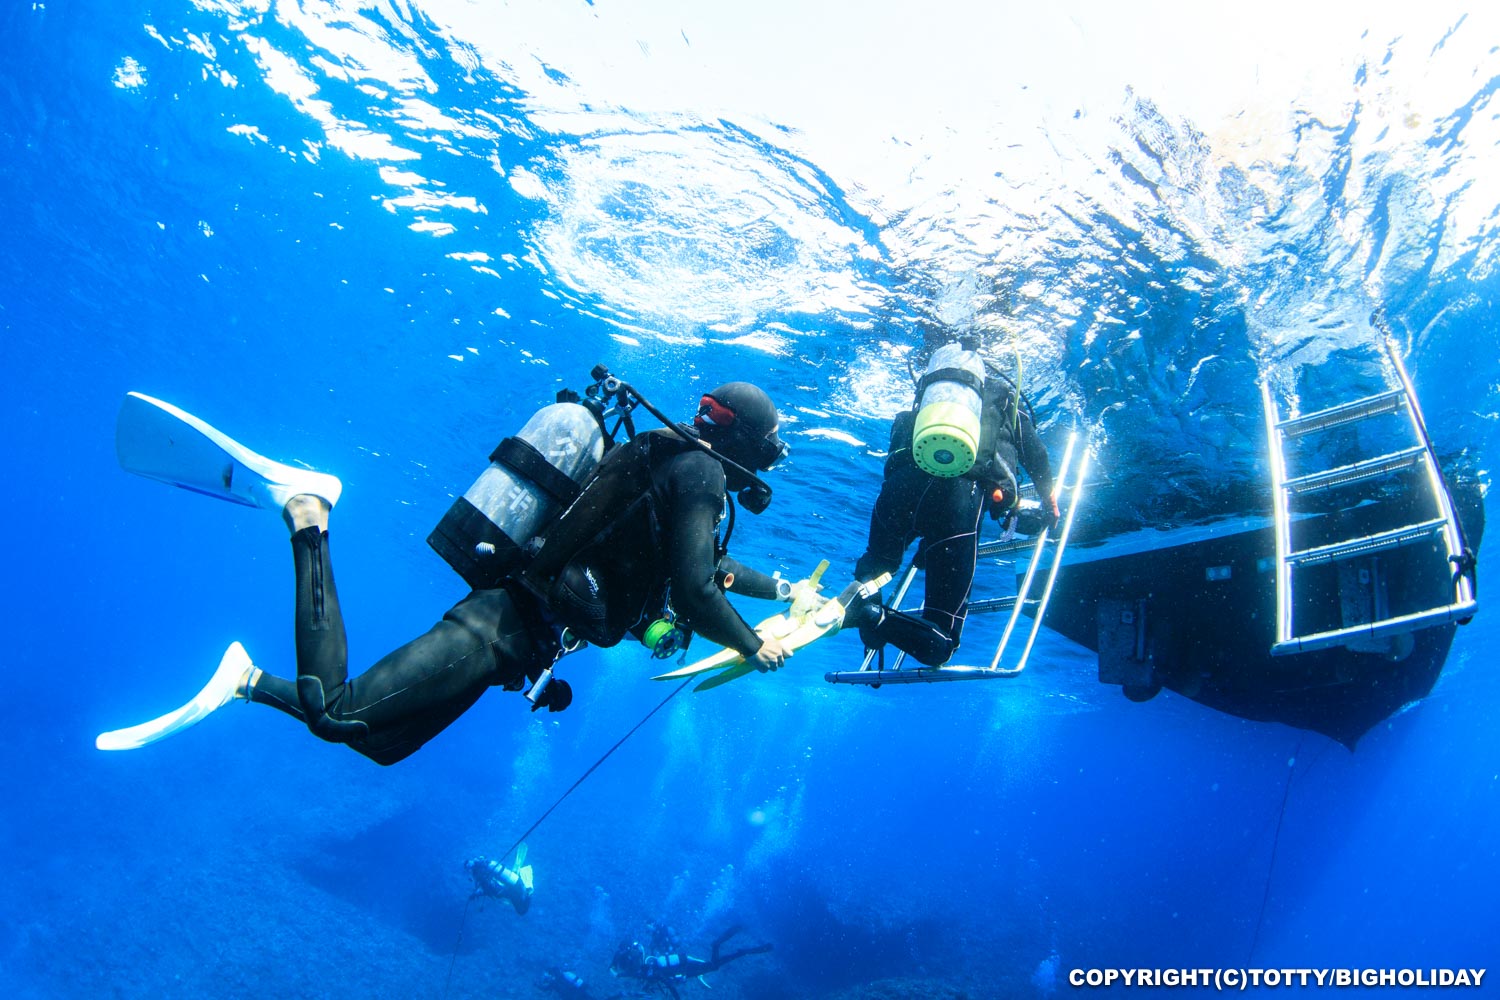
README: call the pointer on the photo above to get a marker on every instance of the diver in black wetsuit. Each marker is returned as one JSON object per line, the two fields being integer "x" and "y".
{"x": 662, "y": 967}
{"x": 648, "y": 546}
{"x": 945, "y": 513}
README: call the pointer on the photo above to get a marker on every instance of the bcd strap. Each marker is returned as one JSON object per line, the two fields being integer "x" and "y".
{"x": 521, "y": 458}
{"x": 960, "y": 375}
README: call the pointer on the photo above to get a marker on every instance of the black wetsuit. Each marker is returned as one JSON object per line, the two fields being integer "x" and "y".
{"x": 945, "y": 515}
{"x": 503, "y": 636}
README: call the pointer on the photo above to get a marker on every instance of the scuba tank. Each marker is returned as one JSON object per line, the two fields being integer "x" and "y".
{"x": 950, "y": 401}
{"x": 531, "y": 477}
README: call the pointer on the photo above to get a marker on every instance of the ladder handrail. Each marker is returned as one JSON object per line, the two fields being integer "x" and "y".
{"x": 1280, "y": 512}
{"x": 1057, "y": 554}
{"x": 1453, "y": 531}
{"x": 1024, "y": 590}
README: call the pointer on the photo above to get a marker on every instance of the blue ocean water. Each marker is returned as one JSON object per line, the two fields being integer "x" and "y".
{"x": 374, "y": 237}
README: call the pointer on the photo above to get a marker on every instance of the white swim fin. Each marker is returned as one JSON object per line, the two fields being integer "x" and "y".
{"x": 224, "y": 686}
{"x": 157, "y": 440}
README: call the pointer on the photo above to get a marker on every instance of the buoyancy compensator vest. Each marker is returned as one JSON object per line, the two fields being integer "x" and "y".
{"x": 999, "y": 439}
{"x": 530, "y": 478}
{"x": 600, "y": 567}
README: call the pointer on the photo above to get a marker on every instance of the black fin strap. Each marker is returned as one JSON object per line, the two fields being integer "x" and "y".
{"x": 524, "y": 460}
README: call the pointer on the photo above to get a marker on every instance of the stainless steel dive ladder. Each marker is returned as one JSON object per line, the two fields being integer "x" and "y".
{"x": 1458, "y": 603}
{"x": 1068, "y": 494}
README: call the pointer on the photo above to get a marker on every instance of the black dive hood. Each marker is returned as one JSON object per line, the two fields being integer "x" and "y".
{"x": 622, "y": 397}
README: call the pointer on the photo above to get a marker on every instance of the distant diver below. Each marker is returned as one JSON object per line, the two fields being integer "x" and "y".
{"x": 493, "y": 880}
{"x": 662, "y": 966}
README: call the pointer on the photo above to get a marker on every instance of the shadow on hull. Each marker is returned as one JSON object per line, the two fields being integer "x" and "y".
{"x": 1197, "y": 615}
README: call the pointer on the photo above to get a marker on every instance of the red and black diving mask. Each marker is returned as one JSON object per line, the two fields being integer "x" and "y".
{"x": 740, "y": 420}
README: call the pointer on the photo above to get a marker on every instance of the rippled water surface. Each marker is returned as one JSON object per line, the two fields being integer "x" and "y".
{"x": 375, "y": 236}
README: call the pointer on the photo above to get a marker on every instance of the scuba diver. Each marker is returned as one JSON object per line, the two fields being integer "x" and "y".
{"x": 562, "y": 983}
{"x": 495, "y": 881}
{"x": 568, "y": 538}
{"x": 662, "y": 966}
{"x": 953, "y": 456}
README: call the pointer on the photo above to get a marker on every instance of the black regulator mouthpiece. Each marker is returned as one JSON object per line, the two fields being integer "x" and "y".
{"x": 756, "y": 497}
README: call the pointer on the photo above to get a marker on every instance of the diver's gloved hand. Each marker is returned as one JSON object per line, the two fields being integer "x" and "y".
{"x": 771, "y": 655}
{"x": 1032, "y": 518}
{"x": 998, "y": 506}
{"x": 805, "y": 598}
{"x": 803, "y": 595}
{"x": 1050, "y": 513}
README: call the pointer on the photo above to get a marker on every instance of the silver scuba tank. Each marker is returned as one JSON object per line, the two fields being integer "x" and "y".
{"x": 531, "y": 478}
{"x": 945, "y": 438}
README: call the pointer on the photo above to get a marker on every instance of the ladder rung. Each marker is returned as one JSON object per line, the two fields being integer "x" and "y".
{"x": 994, "y": 604}
{"x": 915, "y": 675}
{"x": 1355, "y": 472}
{"x": 1375, "y": 630}
{"x": 1000, "y": 548}
{"x": 1344, "y": 413}
{"x": 1367, "y": 545}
